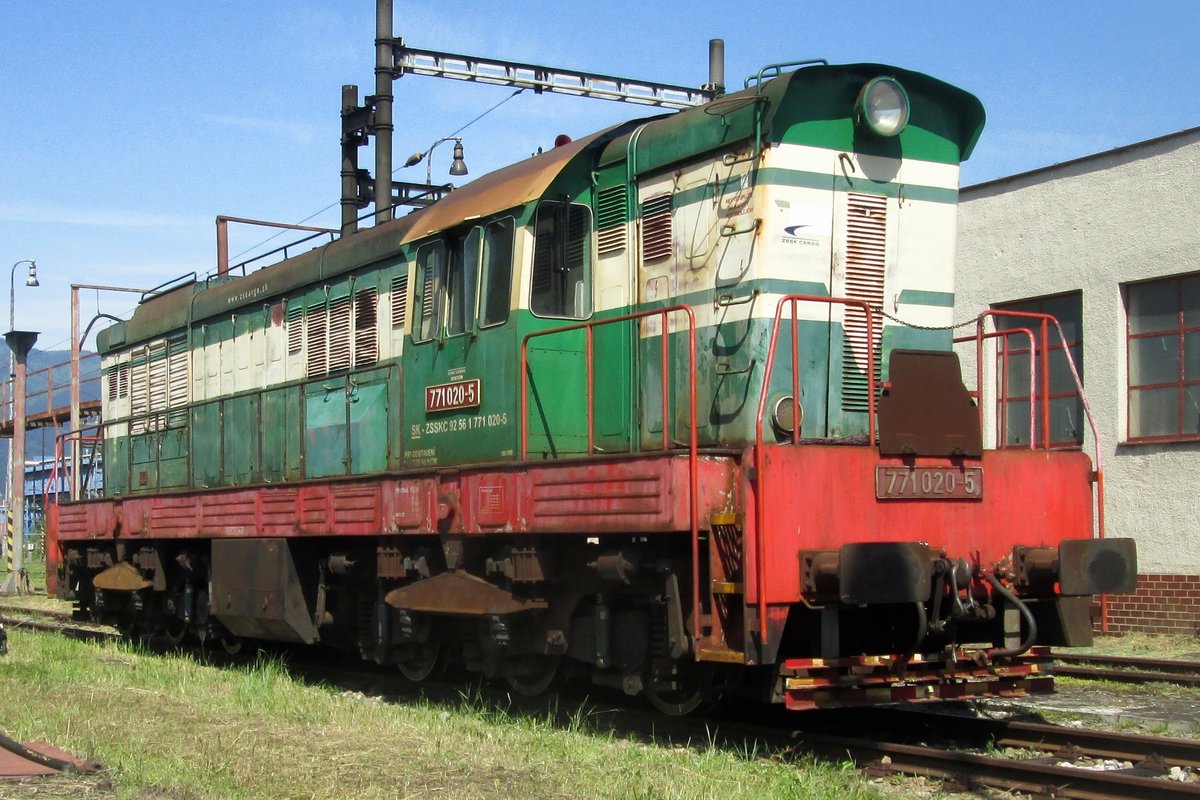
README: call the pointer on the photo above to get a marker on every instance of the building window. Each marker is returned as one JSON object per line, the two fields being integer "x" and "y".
{"x": 1066, "y": 407}
{"x": 1163, "y": 351}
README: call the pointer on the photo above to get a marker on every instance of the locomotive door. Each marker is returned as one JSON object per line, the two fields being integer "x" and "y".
{"x": 458, "y": 385}
{"x": 658, "y": 286}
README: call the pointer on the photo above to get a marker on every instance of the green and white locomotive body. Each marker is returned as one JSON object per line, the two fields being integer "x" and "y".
{"x": 471, "y": 429}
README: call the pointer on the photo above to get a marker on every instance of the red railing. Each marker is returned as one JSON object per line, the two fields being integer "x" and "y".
{"x": 589, "y": 328}
{"x": 70, "y": 465}
{"x": 47, "y": 386}
{"x": 1044, "y": 322}
{"x": 759, "y": 455}
{"x": 1002, "y": 416}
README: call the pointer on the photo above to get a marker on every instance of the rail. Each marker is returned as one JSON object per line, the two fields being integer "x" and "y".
{"x": 46, "y": 387}
{"x": 664, "y": 347}
{"x": 759, "y": 456}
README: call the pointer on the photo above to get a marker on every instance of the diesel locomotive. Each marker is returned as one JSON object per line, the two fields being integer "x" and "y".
{"x": 674, "y": 408}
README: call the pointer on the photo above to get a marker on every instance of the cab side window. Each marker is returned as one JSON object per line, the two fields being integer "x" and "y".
{"x": 462, "y": 278}
{"x": 431, "y": 260}
{"x": 495, "y": 282}
{"x": 562, "y": 256}
{"x": 464, "y": 281}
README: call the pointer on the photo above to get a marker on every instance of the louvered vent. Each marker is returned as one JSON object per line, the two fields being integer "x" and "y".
{"x": 399, "y": 299}
{"x": 295, "y": 328}
{"x": 366, "y": 338}
{"x": 339, "y": 334}
{"x": 139, "y": 400}
{"x": 610, "y": 218}
{"x": 866, "y": 247}
{"x": 428, "y": 297}
{"x": 578, "y": 221}
{"x": 656, "y": 228}
{"x": 315, "y": 341}
{"x": 111, "y": 389}
{"x": 159, "y": 385}
{"x": 178, "y": 381}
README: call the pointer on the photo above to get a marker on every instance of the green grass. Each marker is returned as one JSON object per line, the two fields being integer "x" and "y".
{"x": 1144, "y": 644}
{"x": 169, "y": 727}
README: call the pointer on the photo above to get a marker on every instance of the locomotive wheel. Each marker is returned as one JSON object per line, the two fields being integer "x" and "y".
{"x": 532, "y": 675}
{"x": 420, "y": 662}
{"x": 127, "y": 622}
{"x": 231, "y": 644}
{"x": 691, "y": 689}
{"x": 175, "y": 630}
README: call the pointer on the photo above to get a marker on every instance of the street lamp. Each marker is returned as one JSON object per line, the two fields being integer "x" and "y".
{"x": 457, "y": 168}
{"x": 30, "y": 280}
{"x": 10, "y": 506}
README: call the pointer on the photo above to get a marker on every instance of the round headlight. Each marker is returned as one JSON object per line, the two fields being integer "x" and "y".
{"x": 883, "y": 105}
{"x": 786, "y": 416}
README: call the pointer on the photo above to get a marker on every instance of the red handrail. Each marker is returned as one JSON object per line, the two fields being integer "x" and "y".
{"x": 60, "y": 457}
{"x": 693, "y": 458}
{"x": 759, "y": 457}
{"x": 1044, "y": 330}
{"x": 32, "y": 398}
{"x": 1046, "y": 320}
{"x": 1002, "y": 422}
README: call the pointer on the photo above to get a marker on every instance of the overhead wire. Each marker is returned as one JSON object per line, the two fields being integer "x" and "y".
{"x": 125, "y": 313}
{"x": 462, "y": 128}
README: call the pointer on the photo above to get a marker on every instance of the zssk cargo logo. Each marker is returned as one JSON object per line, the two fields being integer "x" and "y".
{"x": 792, "y": 235}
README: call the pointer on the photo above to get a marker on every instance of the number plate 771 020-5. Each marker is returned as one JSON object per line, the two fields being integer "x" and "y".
{"x": 929, "y": 483}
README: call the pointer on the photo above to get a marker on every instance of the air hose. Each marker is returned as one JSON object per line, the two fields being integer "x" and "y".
{"x": 1030, "y": 636}
{"x": 18, "y": 749}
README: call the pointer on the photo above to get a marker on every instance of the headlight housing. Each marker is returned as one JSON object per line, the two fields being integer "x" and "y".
{"x": 883, "y": 106}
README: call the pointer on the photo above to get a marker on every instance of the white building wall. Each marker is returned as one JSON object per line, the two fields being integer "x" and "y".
{"x": 1092, "y": 225}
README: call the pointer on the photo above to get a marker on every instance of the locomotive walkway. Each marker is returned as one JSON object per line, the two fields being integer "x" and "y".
{"x": 47, "y": 396}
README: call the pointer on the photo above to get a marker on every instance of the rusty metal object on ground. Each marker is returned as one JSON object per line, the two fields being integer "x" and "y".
{"x": 36, "y": 759}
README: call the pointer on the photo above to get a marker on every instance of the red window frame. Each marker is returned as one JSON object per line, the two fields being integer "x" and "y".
{"x": 1181, "y": 384}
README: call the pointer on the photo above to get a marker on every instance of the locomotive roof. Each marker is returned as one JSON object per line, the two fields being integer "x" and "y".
{"x": 813, "y": 104}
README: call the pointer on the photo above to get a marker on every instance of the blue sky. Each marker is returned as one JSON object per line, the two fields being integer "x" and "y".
{"x": 129, "y": 125}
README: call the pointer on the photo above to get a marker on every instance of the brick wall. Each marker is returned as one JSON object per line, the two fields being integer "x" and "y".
{"x": 1161, "y": 604}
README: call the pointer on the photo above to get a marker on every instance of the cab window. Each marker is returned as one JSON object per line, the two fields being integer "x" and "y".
{"x": 562, "y": 258}
{"x": 431, "y": 259}
{"x": 495, "y": 280}
{"x": 462, "y": 279}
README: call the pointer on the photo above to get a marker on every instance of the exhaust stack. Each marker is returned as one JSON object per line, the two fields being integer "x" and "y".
{"x": 716, "y": 67}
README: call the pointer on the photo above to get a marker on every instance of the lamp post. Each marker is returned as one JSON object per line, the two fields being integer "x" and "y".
{"x": 13, "y": 504}
{"x": 457, "y": 167}
{"x": 30, "y": 280}
{"x": 19, "y": 343}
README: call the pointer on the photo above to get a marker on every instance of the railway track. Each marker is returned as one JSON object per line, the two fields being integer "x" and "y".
{"x": 1127, "y": 669}
{"x": 60, "y": 622}
{"x": 970, "y": 752}
{"x": 965, "y": 751}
